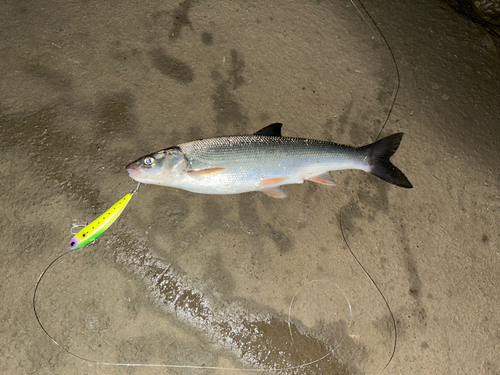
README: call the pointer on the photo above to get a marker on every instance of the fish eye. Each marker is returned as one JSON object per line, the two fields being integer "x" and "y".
{"x": 149, "y": 160}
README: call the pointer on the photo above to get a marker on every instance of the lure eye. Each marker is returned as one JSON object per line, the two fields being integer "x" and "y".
{"x": 149, "y": 160}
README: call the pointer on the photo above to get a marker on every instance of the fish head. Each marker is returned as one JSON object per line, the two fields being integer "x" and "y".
{"x": 159, "y": 167}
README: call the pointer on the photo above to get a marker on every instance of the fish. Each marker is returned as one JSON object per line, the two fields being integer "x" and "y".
{"x": 90, "y": 232}
{"x": 263, "y": 161}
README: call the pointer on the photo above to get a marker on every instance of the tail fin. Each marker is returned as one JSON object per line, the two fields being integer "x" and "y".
{"x": 379, "y": 154}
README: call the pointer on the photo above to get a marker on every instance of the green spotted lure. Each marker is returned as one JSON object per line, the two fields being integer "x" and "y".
{"x": 101, "y": 224}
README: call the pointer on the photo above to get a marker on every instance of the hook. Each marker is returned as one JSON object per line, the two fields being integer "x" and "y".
{"x": 73, "y": 226}
{"x": 136, "y": 189}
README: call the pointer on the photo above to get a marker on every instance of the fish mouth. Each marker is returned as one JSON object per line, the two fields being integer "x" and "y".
{"x": 131, "y": 168}
{"x": 136, "y": 173}
{"x": 133, "y": 171}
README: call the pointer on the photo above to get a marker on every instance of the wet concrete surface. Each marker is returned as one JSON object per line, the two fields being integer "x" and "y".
{"x": 229, "y": 284}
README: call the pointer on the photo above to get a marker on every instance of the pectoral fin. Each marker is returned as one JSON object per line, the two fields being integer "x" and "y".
{"x": 276, "y": 192}
{"x": 205, "y": 172}
{"x": 324, "y": 179}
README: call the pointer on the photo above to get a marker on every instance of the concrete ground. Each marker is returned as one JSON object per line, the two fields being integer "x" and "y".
{"x": 248, "y": 282}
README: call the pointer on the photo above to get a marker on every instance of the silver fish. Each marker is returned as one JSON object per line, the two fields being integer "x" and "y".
{"x": 262, "y": 162}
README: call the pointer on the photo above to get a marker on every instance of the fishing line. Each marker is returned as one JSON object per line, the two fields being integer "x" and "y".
{"x": 290, "y": 318}
{"x": 380, "y": 292}
{"x": 380, "y": 34}
{"x": 306, "y": 364}
{"x": 193, "y": 367}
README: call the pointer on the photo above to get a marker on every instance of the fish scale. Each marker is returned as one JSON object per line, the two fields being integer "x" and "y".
{"x": 263, "y": 152}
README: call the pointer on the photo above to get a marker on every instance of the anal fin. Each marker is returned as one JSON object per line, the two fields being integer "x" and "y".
{"x": 275, "y": 192}
{"x": 324, "y": 179}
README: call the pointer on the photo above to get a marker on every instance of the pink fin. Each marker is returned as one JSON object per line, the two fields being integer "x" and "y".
{"x": 205, "y": 172}
{"x": 272, "y": 181}
{"x": 324, "y": 179}
{"x": 276, "y": 192}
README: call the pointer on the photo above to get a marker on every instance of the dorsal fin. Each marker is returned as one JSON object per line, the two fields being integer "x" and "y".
{"x": 273, "y": 130}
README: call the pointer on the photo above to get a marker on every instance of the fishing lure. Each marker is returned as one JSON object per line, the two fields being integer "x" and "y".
{"x": 101, "y": 224}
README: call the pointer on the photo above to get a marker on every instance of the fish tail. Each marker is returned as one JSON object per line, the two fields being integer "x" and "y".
{"x": 379, "y": 154}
